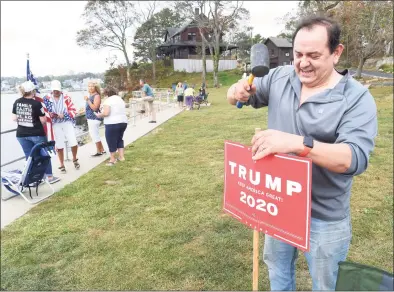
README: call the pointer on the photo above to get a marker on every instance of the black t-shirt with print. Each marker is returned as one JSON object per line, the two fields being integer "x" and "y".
{"x": 28, "y": 112}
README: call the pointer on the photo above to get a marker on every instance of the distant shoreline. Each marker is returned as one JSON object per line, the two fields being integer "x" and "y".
{"x": 41, "y": 91}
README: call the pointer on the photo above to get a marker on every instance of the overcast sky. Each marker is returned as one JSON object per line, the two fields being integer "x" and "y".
{"x": 47, "y": 30}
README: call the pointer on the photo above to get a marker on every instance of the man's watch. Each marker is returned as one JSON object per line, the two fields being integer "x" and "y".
{"x": 308, "y": 145}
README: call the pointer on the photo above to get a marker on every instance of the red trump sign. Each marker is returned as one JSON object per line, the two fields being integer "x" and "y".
{"x": 271, "y": 195}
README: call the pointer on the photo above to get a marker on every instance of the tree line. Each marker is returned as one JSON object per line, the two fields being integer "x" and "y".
{"x": 367, "y": 27}
{"x": 140, "y": 25}
{"x": 13, "y": 81}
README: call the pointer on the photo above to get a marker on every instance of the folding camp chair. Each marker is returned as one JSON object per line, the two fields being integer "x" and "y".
{"x": 357, "y": 277}
{"x": 32, "y": 176}
{"x": 200, "y": 99}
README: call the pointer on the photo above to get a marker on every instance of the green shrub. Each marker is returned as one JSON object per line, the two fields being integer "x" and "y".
{"x": 388, "y": 68}
{"x": 166, "y": 76}
{"x": 127, "y": 96}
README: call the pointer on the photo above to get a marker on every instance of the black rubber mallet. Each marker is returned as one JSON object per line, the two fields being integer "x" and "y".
{"x": 259, "y": 64}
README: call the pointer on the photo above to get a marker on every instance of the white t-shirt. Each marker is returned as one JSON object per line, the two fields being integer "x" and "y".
{"x": 117, "y": 113}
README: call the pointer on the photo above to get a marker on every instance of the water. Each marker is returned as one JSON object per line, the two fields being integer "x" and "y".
{"x": 10, "y": 147}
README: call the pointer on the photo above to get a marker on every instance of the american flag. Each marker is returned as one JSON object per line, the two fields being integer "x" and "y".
{"x": 30, "y": 76}
{"x": 48, "y": 129}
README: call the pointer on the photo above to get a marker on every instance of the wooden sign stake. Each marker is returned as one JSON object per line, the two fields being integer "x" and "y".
{"x": 256, "y": 250}
{"x": 255, "y": 260}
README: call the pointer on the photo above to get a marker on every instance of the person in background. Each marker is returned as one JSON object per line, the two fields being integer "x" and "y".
{"x": 201, "y": 92}
{"x": 48, "y": 125}
{"x": 189, "y": 95}
{"x": 148, "y": 98}
{"x": 30, "y": 116}
{"x": 179, "y": 94}
{"x": 93, "y": 102}
{"x": 115, "y": 121}
{"x": 170, "y": 93}
{"x": 62, "y": 112}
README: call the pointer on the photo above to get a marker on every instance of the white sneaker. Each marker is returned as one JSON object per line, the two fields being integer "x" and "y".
{"x": 53, "y": 180}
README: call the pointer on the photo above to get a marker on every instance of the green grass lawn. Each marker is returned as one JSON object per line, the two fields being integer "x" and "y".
{"x": 226, "y": 78}
{"x": 155, "y": 221}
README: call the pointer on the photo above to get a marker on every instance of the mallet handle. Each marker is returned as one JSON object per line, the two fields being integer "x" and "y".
{"x": 250, "y": 81}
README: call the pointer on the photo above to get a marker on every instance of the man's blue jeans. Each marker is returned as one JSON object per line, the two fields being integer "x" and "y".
{"x": 329, "y": 244}
{"x": 28, "y": 143}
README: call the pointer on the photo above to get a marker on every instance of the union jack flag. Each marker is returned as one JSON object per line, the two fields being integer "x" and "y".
{"x": 48, "y": 129}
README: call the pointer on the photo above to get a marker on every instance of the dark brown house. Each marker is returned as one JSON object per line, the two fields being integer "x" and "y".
{"x": 183, "y": 42}
{"x": 280, "y": 51}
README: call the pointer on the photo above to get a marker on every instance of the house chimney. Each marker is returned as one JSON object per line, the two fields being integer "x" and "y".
{"x": 196, "y": 11}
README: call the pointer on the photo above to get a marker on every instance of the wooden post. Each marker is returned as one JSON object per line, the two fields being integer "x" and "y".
{"x": 256, "y": 250}
{"x": 255, "y": 260}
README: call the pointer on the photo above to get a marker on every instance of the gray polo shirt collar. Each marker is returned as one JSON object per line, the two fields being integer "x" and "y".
{"x": 326, "y": 96}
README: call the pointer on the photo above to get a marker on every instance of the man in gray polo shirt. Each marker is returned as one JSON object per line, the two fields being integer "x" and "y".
{"x": 314, "y": 111}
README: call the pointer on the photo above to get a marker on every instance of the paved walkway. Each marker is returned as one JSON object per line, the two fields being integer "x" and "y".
{"x": 17, "y": 206}
{"x": 372, "y": 73}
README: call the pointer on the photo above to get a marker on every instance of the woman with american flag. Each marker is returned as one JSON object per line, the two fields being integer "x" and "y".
{"x": 62, "y": 112}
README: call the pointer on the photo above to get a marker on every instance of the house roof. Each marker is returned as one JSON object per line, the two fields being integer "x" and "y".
{"x": 280, "y": 42}
{"x": 192, "y": 44}
{"x": 172, "y": 31}
{"x": 180, "y": 29}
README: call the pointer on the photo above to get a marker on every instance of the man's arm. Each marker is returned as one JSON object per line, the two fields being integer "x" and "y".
{"x": 241, "y": 91}
{"x": 255, "y": 95}
{"x": 358, "y": 129}
{"x": 335, "y": 157}
{"x": 349, "y": 154}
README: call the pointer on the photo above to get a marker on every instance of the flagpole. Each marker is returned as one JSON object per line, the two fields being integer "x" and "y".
{"x": 27, "y": 67}
{"x": 48, "y": 126}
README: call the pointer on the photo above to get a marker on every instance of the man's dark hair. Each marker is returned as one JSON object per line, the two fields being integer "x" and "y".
{"x": 110, "y": 91}
{"x": 332, "y": 27}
